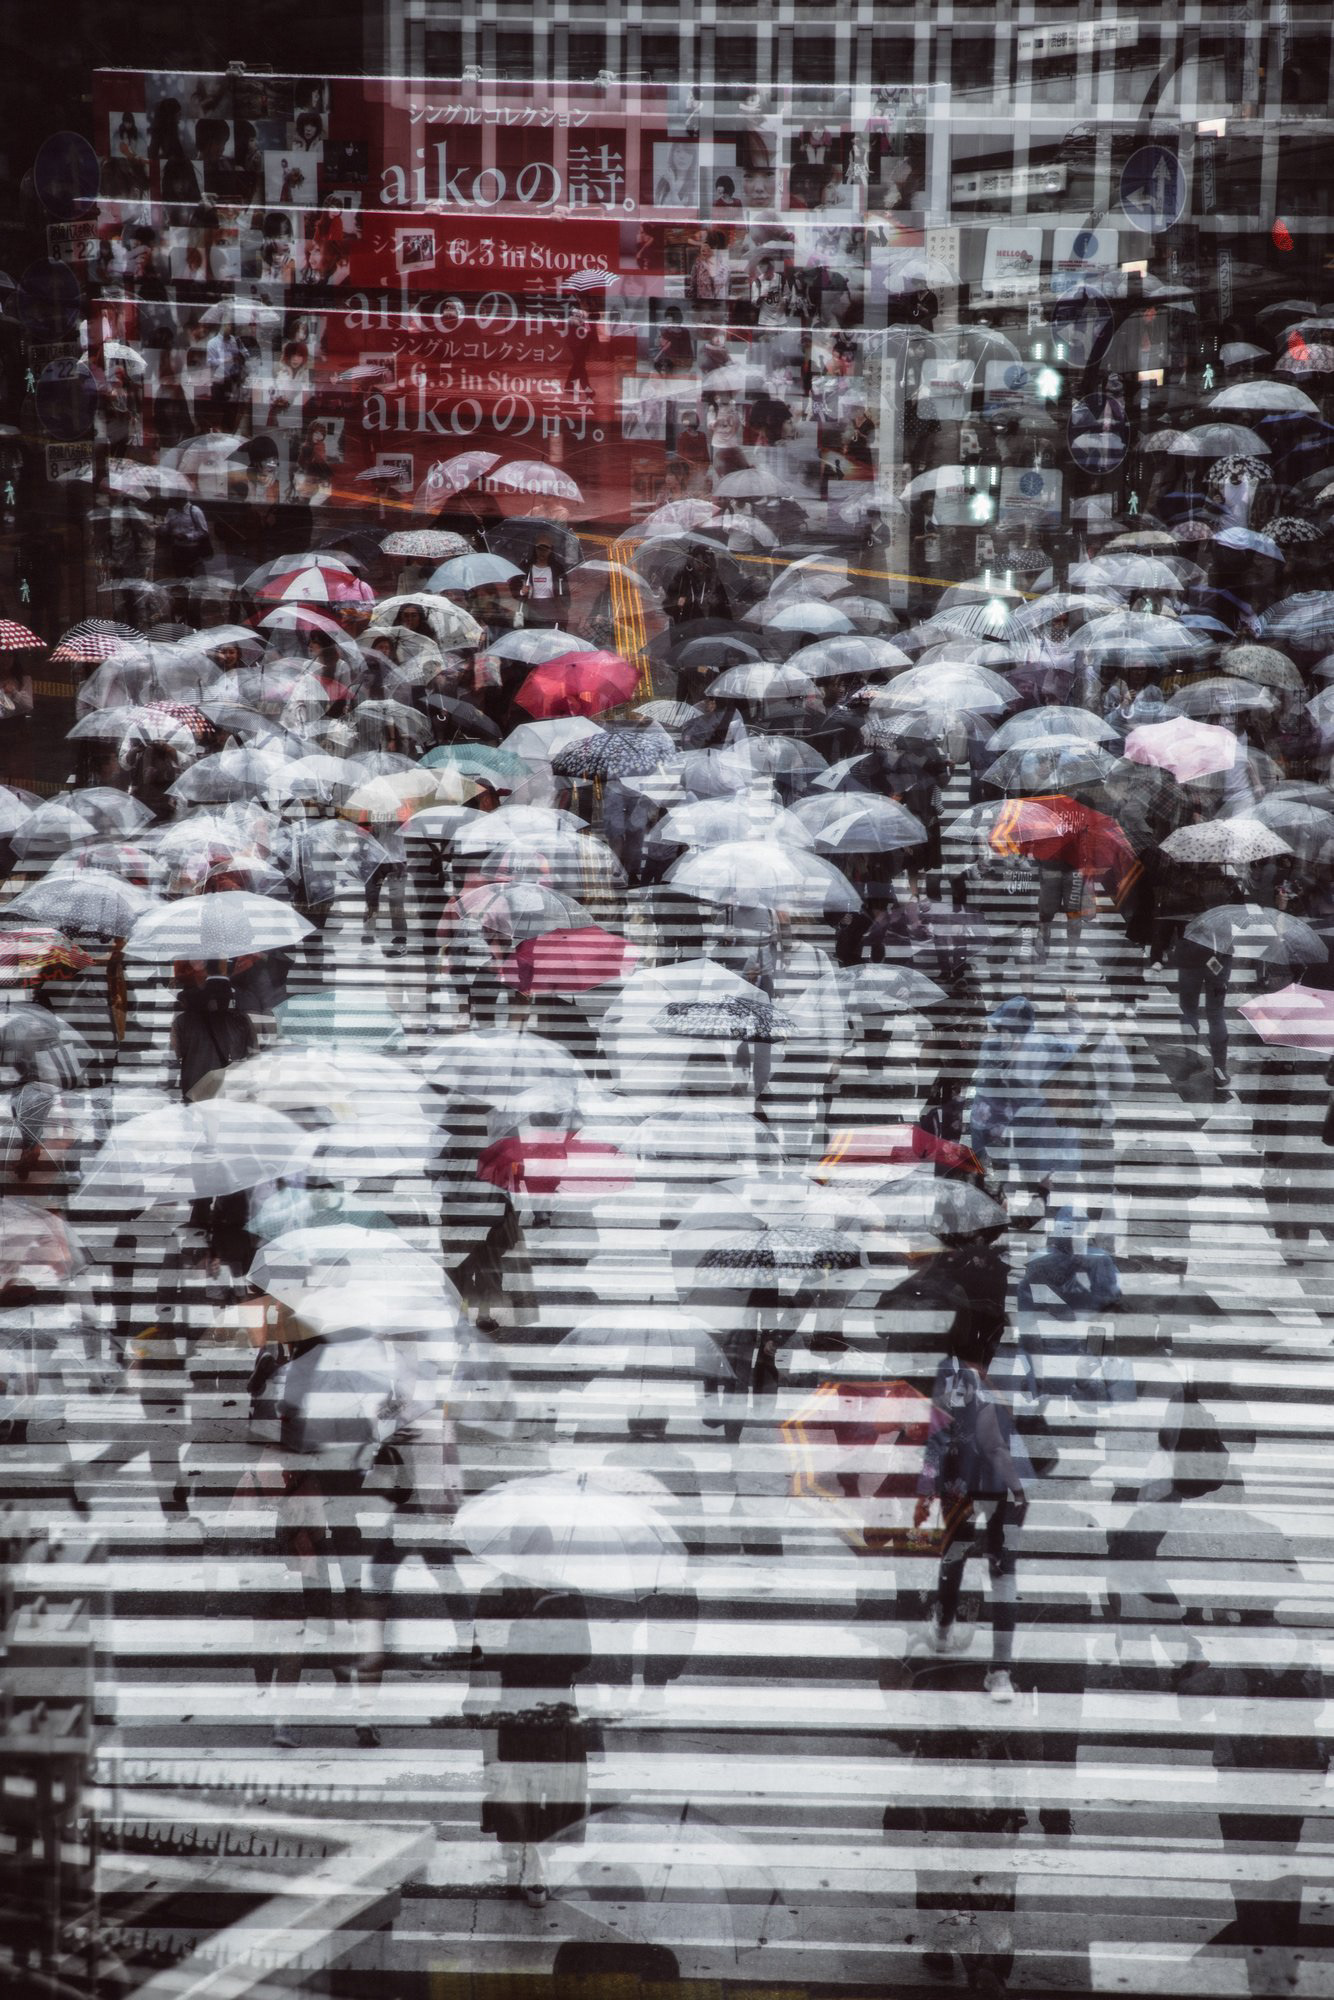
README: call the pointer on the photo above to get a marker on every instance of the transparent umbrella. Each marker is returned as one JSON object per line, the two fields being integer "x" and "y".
{"x": 754, "y": 874}
{"x": 230, "y": 923}
{"x": 196, "y": 1150}
{"x": 564, "y": 1531}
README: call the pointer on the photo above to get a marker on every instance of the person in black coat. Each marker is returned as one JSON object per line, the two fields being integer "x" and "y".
{"x": 536, "y": 1748}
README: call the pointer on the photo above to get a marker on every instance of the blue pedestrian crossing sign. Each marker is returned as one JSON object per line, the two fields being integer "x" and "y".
{"x": 1154, "y": 188}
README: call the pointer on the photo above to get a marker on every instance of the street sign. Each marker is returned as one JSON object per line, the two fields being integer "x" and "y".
{"x": 1154, "y": 189}
{"x": 1098, "y": 435}
{"x": 1082, "y": 324}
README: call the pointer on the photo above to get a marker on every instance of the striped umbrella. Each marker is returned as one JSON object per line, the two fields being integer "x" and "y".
{"x": 16, "y": 638}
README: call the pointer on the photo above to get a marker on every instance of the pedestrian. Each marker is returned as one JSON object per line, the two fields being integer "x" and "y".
{"x": 972, "y": 1470}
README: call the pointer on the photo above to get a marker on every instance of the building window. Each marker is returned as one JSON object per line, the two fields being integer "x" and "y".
{"x": 444, "y": 51}
{"x": 660, "y": 56}
{"x": 815, "y": 58}
{"x": 514, "y": 52}
{"x": 734, "y": 58}
{"x": 1306, "y": 74}
{"x": 587, "y": 54}
{"x": 893, "y": 59}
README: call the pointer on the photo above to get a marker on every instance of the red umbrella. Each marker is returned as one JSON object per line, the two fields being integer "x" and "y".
{"x": 1058, "y": 828}
{"x": 568, "y": 961}
{"x": 557, "y": 1164}
{"x": 16, "y": 638}
{"x": 1296, "y": 1017}
{"x": 578, "y": 684}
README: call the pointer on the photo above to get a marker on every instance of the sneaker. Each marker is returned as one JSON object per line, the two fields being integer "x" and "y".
{"x": 950, "y": 1638}
{"x": 1222, "y": 1080}
{"x": 282, "y": 1738}
{"x": 999, "y": 1685}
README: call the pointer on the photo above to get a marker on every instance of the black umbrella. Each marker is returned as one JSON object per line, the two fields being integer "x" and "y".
{"x": 469, "y": 722}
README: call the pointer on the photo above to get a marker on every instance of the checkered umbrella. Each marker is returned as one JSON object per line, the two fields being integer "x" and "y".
{"x": 16, "y": 638}
{"x": 760, "y": 1255}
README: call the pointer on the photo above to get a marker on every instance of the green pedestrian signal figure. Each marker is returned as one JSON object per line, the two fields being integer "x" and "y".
{"x": 10, "y": 495}
{"x": 30, "y": 382}
{"x": 1208, "y": 377}
{"x": 25, "y": 592}
{"x": 1132, "y": 506}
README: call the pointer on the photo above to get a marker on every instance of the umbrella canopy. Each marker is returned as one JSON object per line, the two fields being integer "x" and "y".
{"x": 302, "y": 1081}
{"x": 535, "y": 646}
{"x": 811, "y": 616}
{"x": 1296, "y": 1017}
{"x": 531, "y": 475}
{"x": 229, "y": 923}
{"x": 1135, "y": 638}
{"x": 757, "y": 874}
{"x": 84, "y": 903}
{"x": 518, "y": 537}
{"x": 1264, "y": 665}
{"x": 1032, "y": 723}
{"x": 1264, "y": 396}
{"x": 1224, "y": 841}
{"x": 1187, "y": 749}
{"x": 472, "y": 572}
{"x": 762, "y": 680}
{"x": 197, "y": 1149}
{"x": 425, "y": 544}
{"x": 578, "y": 684}
{"x": 447, "y": 623}
{"x": 568, "y": 961}
{"x": 1057, "y": 828}
{"x": 564, "y": 1531}
{"x": 858, "y": 823}
{"x": 332, "y": 1015}
{"x": 736, "y": 1017}
{"x": 342, "y": 1253}
{"x": 32, "y": 956}
{"x": 501, "y": 1069}
{"x": 888, "y": 989}
{"x": 452, "y": 475}
{"x": 1252, "y": 931}
{"x": 1050, "y": 766}
{"x": 41, "y": 1048}
{"x": 633, "y": 750}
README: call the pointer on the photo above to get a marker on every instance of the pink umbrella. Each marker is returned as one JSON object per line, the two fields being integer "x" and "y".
{"x": 451, "y": 475}
{"x": 568, "y": 961}
{"x": 1296, "y": 1017}
{"x": 1186, "y": 748}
